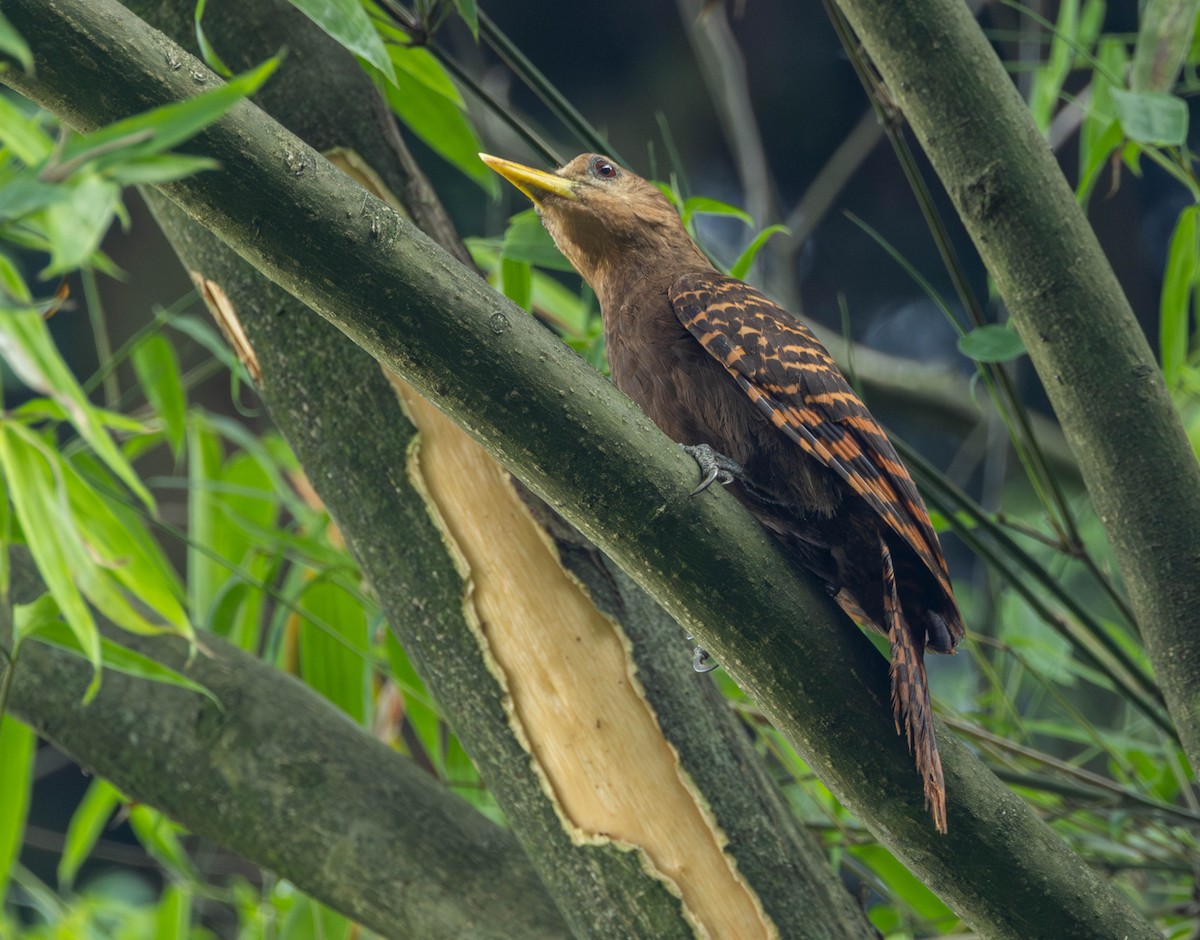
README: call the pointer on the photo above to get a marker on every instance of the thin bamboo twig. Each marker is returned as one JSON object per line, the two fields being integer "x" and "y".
{"x": 947, "y": 497}
{"x": 524, "y": 69}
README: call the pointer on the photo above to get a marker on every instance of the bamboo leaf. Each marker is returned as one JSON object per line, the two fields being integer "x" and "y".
{"x": 12, "y": 44}
{"x": 159, "y": 168}
{"x": 1048, "y": 80}
{"x": 159, "y": 129}
{"x": 1100, "y": 133}
{"x": 17, "y": 749}
{"x": 157, "y": 370}
{"x": 705, "y": 205}
{"x": 418, "y": 64}
{"x": 120, "y": 659}
{"x": 173, "y": 919}
{"x": 207, "y": 52}
{"x": 745, "y": 260}
{"x": 526, "y": 239}
{"x": 21, "y": 133}
{"x": 29, "y": 619}
{"x": 76, "y": 224}
{"x": 205, "y": 574}
{"x": 232, "y": 530}
{"x": 992, "y": 343}
{"x": 470, "y": 14}
{"x": 25, "y": 195}
{"x": 516, "y": 281}
{"x": 336, "y": 665}
{"x": 1164, "y": 38}
{"x": 1152, "y": 117}
{"x": 12, "y": 284}
{"x": 1175, "y": 305}
{"x": 348, "y": 23}
{"x": 87, "y": 822}
{"x": 26, "y": 343}
{"x": 49, "y": 531}
{"x": 436, "y": 116}
{"x": 127, "y": 579}
{"x": 160, "y": 837}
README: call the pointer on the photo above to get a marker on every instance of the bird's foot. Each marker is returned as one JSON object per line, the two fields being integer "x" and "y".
{"x": 703, "y": 662}
{"x": 713, "y": 466}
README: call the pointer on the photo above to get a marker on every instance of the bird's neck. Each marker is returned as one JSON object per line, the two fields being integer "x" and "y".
{"x": 647, "y": 270}
{"x": 620, "y": 262}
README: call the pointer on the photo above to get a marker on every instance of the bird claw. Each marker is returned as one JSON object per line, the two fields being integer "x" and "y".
{"x": 713, "y": 466}
{"x": 702, "y": 662}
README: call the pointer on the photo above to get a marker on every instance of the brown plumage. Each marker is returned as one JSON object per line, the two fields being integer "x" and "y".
{"x": 712, "y": 361}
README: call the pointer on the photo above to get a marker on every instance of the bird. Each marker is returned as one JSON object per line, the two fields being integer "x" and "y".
{"x": 755, "y": 398}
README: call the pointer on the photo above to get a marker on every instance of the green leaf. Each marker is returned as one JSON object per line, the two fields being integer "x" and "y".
{"x": 173, "y": 918}
{"x": 1048, "y": 80}
{"x": 26, "y": 343}
{"x": 87, "y": 823}
{"x": 1131, "y": 156}
{"x": 307, "y": 919}
{"x": 120, "y": 659}
{"x": 470, "y": 14}
{"x": 516, "y": 281}
{"x": 337, "y": 665}
{"x": 207, "y": 52}
{"x": 205, "y": 574}
{"x": 233, "y": 510}
{"x": 991, "y": 343}
{"x": 1100, "y": 133}
{"x": 553, "y": 302}
{"x": 526, "y": 239}
{"x": 1179, "y": 284}
{"x": 160, "y": 837}
{"x": 1152, "y": 117}
{"x": 1098, "y": 153}
{"x": 703, "y": 205}
{"x": 26, "y": 194}
{"x": 30, "y": 618}
{"x": 22, "y": 134}
{"x": 435, "y": 116}
{"x": 348, "y": 23}
{"x": 157, "y": 370}
{"x": 56, "y": 546}
{"x": 16, "y": 783}
{"x": 746, "y": 259}
{"x": 47, "y": 409}
{"x": 159, "y": 168}
{"x": 108, "y": 557}
{"x": 75, "y": 225}
{"x": 12, "y": 284}
{"x": 419, "y": 64}
{"x": 1165, "y": 31}
{"x": 202, "y": 333}
{"x": 12, "y": 44}
{"x": 162, "y": 128}
{"x": 902, "y": 882}
{"x": 6, "y": 541}
{"x": 127, "y": 578}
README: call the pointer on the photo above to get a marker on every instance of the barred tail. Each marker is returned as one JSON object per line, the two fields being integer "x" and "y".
{"x": 910, "y": 694}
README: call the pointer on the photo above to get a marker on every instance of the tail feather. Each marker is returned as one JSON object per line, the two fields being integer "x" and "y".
{"x": 910, "y": 694}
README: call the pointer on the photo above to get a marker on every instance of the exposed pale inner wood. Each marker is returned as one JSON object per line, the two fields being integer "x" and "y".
{"x": 567, "y": 670}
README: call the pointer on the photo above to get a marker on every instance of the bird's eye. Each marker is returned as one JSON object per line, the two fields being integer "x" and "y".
{"x": 603, "y": 169}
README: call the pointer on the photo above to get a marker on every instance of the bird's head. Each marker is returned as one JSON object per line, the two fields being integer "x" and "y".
{"x": 604, "y": 218}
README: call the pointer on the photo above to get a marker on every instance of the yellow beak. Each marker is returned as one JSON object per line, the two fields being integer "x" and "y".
{"x": 536, "y": 184}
